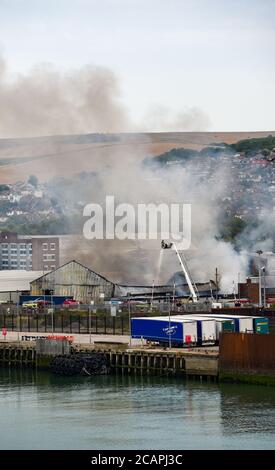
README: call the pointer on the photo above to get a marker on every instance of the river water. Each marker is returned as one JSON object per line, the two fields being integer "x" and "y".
{"x": 42, "y": 411}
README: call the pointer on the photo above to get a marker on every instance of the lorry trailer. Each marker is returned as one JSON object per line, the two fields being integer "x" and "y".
{"x": 206, "y": 328}
{"x": 180, "y": 332}
{"x": 243, "y": 324}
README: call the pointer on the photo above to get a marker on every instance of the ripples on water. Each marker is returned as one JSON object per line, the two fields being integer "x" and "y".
{"x": 41, "y": 411}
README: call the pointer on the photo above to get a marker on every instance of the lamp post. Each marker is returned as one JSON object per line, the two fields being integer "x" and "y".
{"x": 169, "y": 313}
{"x": 89, "y": 317}
{"x": 52, "y": 308}
{"x": 260, "y": 278}
{"x": 17, "y": 315}
{"x": 263, "y": 269}
{"x": 129, "y": 319}
{"x": 239, "y": 287}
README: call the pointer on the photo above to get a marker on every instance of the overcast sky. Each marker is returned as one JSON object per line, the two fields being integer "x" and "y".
{"x": 168, "y": 55}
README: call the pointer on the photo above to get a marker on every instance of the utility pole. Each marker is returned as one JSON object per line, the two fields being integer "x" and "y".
{"x": 152, "y": 297}
{"x": 174, "y": 293}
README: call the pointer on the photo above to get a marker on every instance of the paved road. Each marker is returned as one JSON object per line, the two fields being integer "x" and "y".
{"x": 78, "y": 338}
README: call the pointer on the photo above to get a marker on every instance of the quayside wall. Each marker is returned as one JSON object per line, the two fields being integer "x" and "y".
{"x": 247, "y": 358}
{"x": 189, "y": 363}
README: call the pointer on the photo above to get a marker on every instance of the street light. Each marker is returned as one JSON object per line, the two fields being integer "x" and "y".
{"x": 263, "y": 269}
{"x": 129, "y": 319}
{"x": 260, "y": 278}
{"x": 17, "y": 315}
{"x": 169, "y": 313}
{"x": 89, "y": 316}
{"x": 52, "y": 308}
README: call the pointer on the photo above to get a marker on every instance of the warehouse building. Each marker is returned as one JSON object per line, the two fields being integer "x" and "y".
{"x": 74, "y": 279}
{"x": 204, "y": 289}
{"x": 14, "y": 283}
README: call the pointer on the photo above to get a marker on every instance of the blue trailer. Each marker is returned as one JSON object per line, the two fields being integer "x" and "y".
{"x": 180, "y": 332}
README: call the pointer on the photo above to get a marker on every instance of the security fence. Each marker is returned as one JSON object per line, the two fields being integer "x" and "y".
{"x": 64, "y": 323}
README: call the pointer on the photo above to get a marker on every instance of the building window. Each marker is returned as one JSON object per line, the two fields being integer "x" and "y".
{"x": 14, "y": 263}
{"x": 5, "y": 252}
{"x": 22, "y": 246}
{"x": 13, "y": 246}
{"x": 48, "y": 257}
{"x": 5, "y": 263}
{"x": 52, "y": 246}
{"x": 53, "y": 267}
{"x": 4, "y": 245}
{"x": 45, "y": 246}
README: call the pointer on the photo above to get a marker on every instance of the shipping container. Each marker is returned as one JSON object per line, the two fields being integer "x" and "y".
{"x": 243, "y": 324}
{"x": 261, "y": 325}
{"x": 160, "y": 329}
{"x": 206, "y": 328}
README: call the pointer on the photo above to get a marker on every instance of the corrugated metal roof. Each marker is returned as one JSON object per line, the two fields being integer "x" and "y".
{"x": 17, "y": 280}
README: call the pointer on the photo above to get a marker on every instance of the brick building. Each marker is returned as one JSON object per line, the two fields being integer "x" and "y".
{"x": 31, "y": 253}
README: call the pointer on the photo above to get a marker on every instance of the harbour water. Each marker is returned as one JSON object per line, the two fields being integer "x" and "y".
{"x": 42, "y": 411}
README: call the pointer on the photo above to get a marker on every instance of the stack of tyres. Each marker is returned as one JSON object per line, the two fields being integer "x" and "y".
{"x": 80, "y": 364}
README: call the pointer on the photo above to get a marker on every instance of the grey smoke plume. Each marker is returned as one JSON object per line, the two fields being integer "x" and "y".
{"x": 138, "y": 261}
{"x": 262, "y": 235}
{"x": 48, "y": 102}
{"x": 161, "y": 119}
{"x": 45, "y": 101}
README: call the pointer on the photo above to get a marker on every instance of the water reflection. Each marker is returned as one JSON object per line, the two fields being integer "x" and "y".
{"x": 40, "y": 410}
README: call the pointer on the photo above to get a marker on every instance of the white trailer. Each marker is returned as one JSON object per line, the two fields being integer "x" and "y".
{"x": 206, "y": 328}
{"x": 243, "y": 324}
{"x": 219, "y": 325}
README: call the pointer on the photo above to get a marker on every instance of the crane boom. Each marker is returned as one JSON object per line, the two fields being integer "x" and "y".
{"x": 187, "y": 276}
{"x": 183, "y": 264}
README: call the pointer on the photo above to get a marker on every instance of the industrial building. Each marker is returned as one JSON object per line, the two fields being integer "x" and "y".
{"x": 204, "y": 289}
{"x": 74, "y": 279}
{"x": 250, "y": 290}
{"x": 14, "y": 283}
{"x": 30, "y": 253}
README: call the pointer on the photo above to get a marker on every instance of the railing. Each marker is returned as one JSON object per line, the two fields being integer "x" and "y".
{"x": 63, "y": 323}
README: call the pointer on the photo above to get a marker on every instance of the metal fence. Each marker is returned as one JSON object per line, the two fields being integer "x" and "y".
{"x": 247, "y": 353}
{"x": 62, "y": 323}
